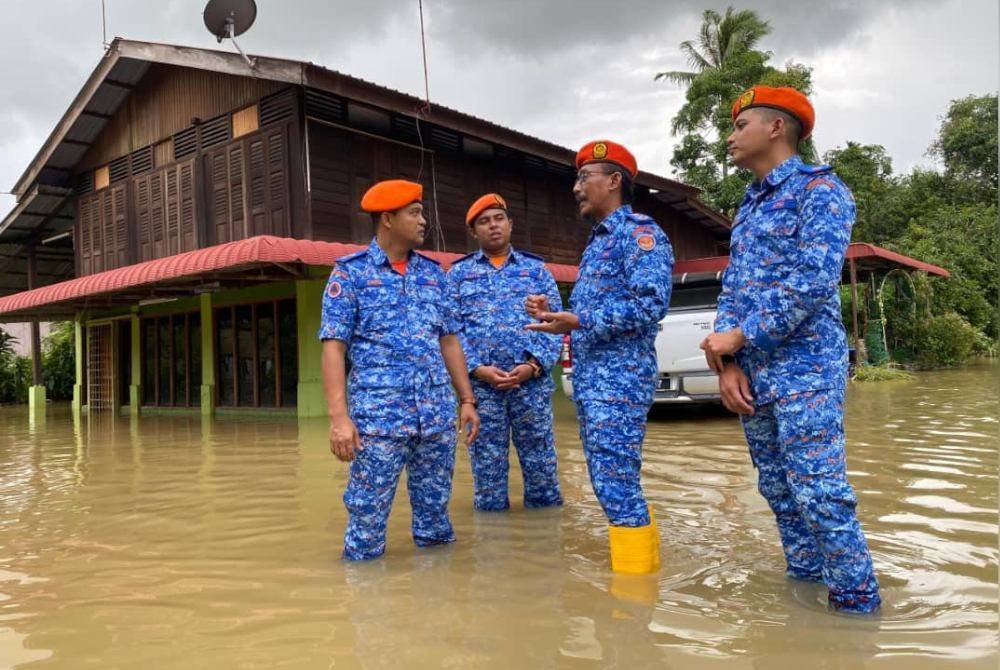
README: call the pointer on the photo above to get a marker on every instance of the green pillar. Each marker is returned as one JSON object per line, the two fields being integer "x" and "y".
{"x": 78, "y": 358}
{"x": 36, "y": 401}
{"x": 308, "y": 307}
{"x": 207, "y": 355}
{"x": 134, "y": 390}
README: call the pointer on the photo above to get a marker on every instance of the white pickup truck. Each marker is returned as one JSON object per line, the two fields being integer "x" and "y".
{"x": 684, "y": 376}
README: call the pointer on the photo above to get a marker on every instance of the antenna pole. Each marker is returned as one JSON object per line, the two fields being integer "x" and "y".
{"x": 230, "y": 26}
{"x": 104, "y": 25}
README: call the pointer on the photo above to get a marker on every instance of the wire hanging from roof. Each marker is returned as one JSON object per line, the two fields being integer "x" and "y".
{"x": 422, "y": 112}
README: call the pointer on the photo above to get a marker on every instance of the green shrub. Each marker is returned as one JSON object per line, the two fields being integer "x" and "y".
{"x": 15, "y": 378}
{"x": 59, "y": 362}
{"x": 880, "y": 373}
{"x": 945, "y": 341}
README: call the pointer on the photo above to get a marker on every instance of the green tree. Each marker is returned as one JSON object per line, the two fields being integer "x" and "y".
{"x": 719, "y": 40}
{"x": 724, "y": 64}
{"x": 967, "y": 142}
{"x": 867, "y": 171}
{"x": 963, "y": 239}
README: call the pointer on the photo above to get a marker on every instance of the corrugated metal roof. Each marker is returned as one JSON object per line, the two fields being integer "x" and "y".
{"x": 868, "y": 256}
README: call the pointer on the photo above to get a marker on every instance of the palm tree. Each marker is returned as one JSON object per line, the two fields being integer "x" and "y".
{"x": 718, "y": 40}
{"x": 7, "y": 342}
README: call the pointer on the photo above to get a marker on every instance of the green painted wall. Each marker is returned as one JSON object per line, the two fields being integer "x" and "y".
{"x": 308, "y": 303}
{"x": 134, "y": 389}
{"x": 207, "y": 355}
{"x": 78, "y": 325}
{"x": 308, "y": 294}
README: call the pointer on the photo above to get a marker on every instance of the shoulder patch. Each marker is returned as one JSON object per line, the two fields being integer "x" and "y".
{"x": 351, "y": 257}
{"x": 528, "y": 254}
{"x": 462, "y": 259}
{"x": 820, "y": 181}
{"x": 636, "y": 216}
{"x": 646, "y": 242}
{"x": 814, "y": 169}
{"x": 417, "y": 253}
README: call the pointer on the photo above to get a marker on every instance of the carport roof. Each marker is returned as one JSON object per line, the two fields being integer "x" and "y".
{"x": 867, "y": 258}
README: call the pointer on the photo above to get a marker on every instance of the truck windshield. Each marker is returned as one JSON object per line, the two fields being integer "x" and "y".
{"x": 685, "y": 298}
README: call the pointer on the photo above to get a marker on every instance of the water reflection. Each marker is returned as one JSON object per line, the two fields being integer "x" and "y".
{"x": 176, "y": 540}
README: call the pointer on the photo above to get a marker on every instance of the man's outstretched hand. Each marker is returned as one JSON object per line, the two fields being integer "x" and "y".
{"x": 555, "y": 322}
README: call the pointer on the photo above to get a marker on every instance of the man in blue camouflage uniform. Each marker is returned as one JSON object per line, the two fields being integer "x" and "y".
{"x": 510, "y": 367}
{"x": 779, "y": 314}
{"x": 391, "y": 311}
{"x": 621, "y": 294}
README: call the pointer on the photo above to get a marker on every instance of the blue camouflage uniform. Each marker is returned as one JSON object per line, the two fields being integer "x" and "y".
{"x": 620, "y": 296}
{"x": 401, "y": 399}
{"x": 788, "y": 244}
{"x": 491, "y": 306}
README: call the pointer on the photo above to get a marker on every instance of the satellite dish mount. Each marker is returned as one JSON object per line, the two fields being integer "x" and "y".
{"x": 228, "y": 18}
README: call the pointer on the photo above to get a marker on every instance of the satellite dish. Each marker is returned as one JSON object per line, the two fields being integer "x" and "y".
{"x": 228, "y": 18}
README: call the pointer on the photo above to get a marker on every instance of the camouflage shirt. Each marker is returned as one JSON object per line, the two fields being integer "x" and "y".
{"x": 392, "y": 325}
{"x": 621, "y": 294}
{"x": 782, "y": 284}
{"x": 491, "y": 306}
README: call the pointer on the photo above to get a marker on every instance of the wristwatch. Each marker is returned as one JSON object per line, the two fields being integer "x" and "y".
{"x": 536, "y": 366}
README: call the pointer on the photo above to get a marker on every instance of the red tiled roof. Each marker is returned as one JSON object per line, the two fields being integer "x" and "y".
{"x": 267, "y": 249}
{"x": 188, "y": 265}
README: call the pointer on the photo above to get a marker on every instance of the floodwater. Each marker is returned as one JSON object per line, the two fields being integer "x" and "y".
{"x": 172, "y": 543}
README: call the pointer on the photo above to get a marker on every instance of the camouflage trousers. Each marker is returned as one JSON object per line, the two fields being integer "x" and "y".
{"x": 375, "y": 471}
{"x": 797, "y": 445}
{"x": 612, "y": 434}
{"x": 524, "y": 414}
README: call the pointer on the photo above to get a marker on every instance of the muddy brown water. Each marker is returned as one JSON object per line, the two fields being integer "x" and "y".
{"x": 172, "y": 542}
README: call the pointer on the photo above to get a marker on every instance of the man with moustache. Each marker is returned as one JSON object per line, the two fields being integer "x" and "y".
{"x": 390, "y": 310}
{"x": 621, "y": 294}
{"x": 780, "y": 347}
{"x": 510, "y": 367}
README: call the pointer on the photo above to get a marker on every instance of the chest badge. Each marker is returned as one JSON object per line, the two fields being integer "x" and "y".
{"x": 646, "y": 242}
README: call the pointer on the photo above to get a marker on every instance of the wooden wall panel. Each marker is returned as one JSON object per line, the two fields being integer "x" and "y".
{"x": 165, "y": 101}
{"x": 343, "y": 164}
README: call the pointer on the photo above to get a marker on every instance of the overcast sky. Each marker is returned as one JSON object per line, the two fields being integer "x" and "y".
{"x": 563, "y": 70}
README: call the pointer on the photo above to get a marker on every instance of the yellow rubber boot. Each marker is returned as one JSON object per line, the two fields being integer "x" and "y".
{"x": 635, "y": 551}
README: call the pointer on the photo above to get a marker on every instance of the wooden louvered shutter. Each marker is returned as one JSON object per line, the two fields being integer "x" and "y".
{"x": 268, "y": 183}
{"x": 226, "y": 171}
{"x": 235, "y": 185}
{"x": 188, "y": 215}
{"x": 86, "y": 221}
{"x": 171, "y": 206}
{"x": 144, "y": 218}
{"x": 156, "y": 211}
{"x": 119, "y": 256}
{"x": 277, "y": 182}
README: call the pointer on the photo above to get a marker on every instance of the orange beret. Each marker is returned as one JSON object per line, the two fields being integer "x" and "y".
{"x": 488, "y": 201}
{"x": 605, "y": 151}
{"x": 390, "y": 195}
{"x": 785, "y": 98}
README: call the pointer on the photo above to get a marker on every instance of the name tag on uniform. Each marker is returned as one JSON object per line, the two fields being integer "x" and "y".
{"x": 784, "y": 203}
{"x": 426, "y": 281}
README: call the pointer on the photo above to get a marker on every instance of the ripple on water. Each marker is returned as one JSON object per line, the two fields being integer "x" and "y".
{"x": 217, "y": 543}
